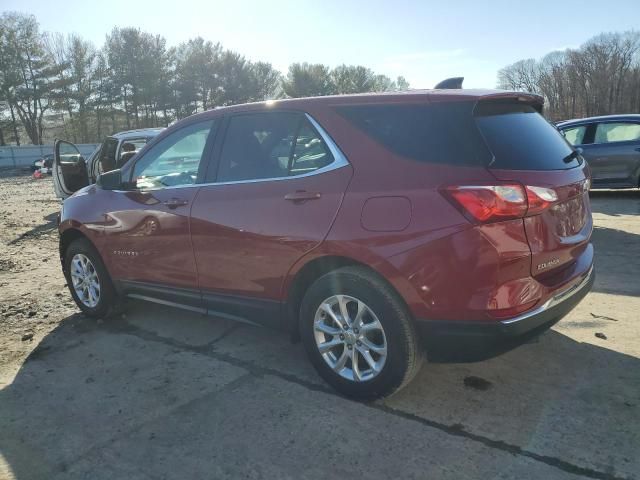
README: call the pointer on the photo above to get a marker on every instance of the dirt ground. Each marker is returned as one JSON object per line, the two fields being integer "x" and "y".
{"x": 160, "y": 393}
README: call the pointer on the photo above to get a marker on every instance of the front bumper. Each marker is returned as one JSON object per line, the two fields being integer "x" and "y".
{"x": 472, "y": 341}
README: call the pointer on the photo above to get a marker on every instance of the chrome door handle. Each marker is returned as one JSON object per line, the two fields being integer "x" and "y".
{"x": 301, "y": 196}
{"x": 175, "y": 202}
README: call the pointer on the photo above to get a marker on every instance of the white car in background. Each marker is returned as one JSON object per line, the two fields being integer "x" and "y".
{"x": 71, "y": 171}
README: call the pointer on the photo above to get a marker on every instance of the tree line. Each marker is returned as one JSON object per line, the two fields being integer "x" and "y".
{"x": 601, "y": 77}
{"x": 52, "y": 84}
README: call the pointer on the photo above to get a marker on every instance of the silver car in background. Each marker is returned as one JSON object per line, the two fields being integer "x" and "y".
{"x": 610, "y": 145}
{"x": 71, "y": 171}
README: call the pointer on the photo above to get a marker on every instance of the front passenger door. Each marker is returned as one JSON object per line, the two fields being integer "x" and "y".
{"x": 147, "y": 228}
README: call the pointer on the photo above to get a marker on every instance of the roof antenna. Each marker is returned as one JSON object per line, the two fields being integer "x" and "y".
{"x": 451, "y": 83}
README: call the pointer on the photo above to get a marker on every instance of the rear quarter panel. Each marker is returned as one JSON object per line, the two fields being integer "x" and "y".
{"x": 404, "y": 256}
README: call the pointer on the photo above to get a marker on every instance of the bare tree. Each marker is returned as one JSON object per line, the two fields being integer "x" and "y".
{"x": 599, "y": 78}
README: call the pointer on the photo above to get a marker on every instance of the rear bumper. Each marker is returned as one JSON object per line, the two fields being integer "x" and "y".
{"x": 464, "y": 341}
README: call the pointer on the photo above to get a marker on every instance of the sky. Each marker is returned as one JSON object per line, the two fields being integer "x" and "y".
{"x": 425, "y": 41}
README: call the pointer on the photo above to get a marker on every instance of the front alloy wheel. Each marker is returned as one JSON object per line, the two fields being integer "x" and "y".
{"x": 88, "y": 279}
{"x": 85, "y": 280}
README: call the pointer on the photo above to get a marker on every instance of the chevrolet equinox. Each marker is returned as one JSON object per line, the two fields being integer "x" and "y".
{"x": 377, "y": 228}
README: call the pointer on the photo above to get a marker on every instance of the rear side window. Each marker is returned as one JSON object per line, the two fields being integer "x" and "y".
{"x": 521, "y": 139}
{"x": 310, "y": 152}
{"x": 617, "y": 132}
{"x": 270, "y": 145}
{"x": 434, "y": 133}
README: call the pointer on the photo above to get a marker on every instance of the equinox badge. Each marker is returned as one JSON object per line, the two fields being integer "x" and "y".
{"x": 550, "y": 263}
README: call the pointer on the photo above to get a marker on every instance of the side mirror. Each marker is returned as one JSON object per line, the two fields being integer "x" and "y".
{"x": 579, "y": 150}
{"x": 110, "y": 180}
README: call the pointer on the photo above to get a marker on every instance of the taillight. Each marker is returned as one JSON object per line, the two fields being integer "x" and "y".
{"x": 493, "y": 203}
{"x": 490, "y": 203}
{"x": 540, "y": 198}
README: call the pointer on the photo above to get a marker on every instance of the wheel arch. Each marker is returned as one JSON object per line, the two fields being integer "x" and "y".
{"x": 314, "y": 269}
{"x": 70, "y": 235}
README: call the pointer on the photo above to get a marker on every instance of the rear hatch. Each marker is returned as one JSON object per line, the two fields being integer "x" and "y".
{"x": 527, "y": 150}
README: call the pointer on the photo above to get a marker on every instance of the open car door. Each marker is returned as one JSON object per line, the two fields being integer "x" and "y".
{"x": 69, "y": 169}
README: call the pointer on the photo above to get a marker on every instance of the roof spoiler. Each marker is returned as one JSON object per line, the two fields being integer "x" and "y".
{"x": 451, "y": 83}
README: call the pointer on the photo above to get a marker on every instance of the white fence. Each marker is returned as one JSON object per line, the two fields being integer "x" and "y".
{"x": 23, "y": 156}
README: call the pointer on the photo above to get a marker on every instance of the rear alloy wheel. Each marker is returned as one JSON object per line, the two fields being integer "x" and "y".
{"x": 358, "y": 334}
{"x": 350, "y": 338}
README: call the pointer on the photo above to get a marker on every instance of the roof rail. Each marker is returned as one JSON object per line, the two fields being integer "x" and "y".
{"x": 451, "y": 83}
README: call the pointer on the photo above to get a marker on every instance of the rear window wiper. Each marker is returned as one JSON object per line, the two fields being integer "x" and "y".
{"x": 573, "y": 155}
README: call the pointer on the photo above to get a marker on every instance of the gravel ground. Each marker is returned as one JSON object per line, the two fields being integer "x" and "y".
{"x": 160, "y": 393}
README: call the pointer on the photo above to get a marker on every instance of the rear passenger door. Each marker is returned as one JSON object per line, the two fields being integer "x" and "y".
{"x": 270, "y": 196}
{"x": 614, "y": 154}
{"x": 582, "y": 136}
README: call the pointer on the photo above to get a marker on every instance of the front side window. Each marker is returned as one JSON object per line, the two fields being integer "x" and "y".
{"x": 575, "y": 135}
{"x": 174, "y": 160}
{"x": 617, "y": 132}
{"x": 270, "y": 145}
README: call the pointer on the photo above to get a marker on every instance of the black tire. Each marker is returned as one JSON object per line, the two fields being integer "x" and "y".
{"x": 108, "y": 302}
{"x": 404, "y": 356}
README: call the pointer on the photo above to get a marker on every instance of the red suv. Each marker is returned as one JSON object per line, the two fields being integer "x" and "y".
{"x": 372, "y": 226}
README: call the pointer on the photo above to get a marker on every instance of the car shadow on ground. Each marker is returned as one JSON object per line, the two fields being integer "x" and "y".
{"x": 49, "y": 225}
{"x": 118, "y": 399}
{"x": 615, "y": 202}
{"x": 616, "y": 248}
{"x": 616, "y": 254}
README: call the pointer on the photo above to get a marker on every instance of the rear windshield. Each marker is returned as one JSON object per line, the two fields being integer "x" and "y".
{"x": 434, "y": 133}
{"x": 521, "y": 139}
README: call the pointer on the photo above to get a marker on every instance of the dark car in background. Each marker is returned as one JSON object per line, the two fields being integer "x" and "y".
{"x": 113, "y": 153}
{"x": 610, "y": 145}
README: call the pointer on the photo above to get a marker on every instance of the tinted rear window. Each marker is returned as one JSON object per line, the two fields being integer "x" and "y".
{"x": 434, "y": 133}
{"x": 521, "y": 139}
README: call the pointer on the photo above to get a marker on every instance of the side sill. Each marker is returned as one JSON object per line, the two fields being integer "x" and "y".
{"x": 249, "y": 310}
{"x": 202, "y": 311}
{"x": 169, "y": 303}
